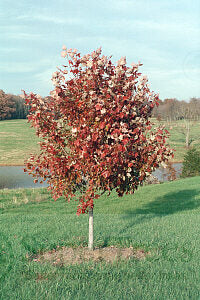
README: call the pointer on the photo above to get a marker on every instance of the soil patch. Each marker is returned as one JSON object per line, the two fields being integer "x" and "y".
{"x": 70, "y": 256}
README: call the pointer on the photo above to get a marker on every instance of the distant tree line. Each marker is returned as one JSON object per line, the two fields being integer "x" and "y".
{"x": 13, "y": 107}
{"x": 173, "y": 110}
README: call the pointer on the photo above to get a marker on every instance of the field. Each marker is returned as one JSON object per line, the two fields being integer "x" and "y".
{"x": 18, "y": 140}
{"x": 178, "y": 134}
{"x": 161, "y": 219}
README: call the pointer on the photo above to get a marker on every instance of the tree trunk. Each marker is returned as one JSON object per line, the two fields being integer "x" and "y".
{"x": 91, "y": 236}
{"x": 187, "y": 139}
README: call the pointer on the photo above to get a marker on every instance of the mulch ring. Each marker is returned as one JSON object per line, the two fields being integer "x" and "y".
{"x": 70, "y": 256}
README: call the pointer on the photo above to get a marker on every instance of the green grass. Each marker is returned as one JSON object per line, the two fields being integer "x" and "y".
{"x": 163, "y": 219}
{"x": 18, "y": 140}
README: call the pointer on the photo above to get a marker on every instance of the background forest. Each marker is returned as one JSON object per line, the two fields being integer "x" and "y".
{"x": 170, "y": 109}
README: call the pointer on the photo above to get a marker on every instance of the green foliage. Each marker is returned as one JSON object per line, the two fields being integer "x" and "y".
{"x": 191, "y": 163}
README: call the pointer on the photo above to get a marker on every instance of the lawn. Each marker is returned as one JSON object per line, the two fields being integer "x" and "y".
{"x": 161, "y": 219}
{"x": 18, "y": 140}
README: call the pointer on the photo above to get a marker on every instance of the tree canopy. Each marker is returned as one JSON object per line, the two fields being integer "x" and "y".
{"x": 95, "y": 130}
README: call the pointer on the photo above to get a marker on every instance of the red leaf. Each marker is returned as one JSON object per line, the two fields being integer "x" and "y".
{"x": 125, "y": 141}
{"x": 94, "y": 137}
{"x": 158, "y": 138}
{"x": 98, "y": 107}
{"x": 121, "y": 148}
{"x": 77, "y": 143}
{"x": 106, "y": 174}
{"x": 102, "y": 125}
{"x": 103, "y": 154}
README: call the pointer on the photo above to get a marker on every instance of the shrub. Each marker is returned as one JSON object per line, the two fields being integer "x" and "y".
{"x": 191, "y": 163}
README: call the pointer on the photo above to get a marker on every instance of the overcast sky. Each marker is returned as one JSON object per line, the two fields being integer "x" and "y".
{"x": 163, "y": 34}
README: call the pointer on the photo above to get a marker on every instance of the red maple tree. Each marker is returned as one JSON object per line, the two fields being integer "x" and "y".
{"x": 95, "y": 129}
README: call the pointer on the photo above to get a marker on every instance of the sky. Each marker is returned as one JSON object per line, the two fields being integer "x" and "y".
{"x": 162, "y": 34}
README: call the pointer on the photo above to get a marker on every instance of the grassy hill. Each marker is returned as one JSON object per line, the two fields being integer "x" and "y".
{"x": 162, "y": 219}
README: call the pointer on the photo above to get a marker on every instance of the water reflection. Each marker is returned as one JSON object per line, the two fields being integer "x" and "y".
{"x": 163, "y": 173}
{"x": 14, "y": 177}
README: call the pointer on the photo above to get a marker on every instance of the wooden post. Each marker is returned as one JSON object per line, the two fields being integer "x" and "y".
{"x": 91, "y": 236}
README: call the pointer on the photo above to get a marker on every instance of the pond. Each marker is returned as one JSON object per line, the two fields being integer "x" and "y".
{"x": 163, "y": 173}
{"x": 12, "y": 177}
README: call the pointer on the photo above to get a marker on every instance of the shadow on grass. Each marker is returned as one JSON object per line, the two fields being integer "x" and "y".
{"x": 171, "y": 203}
